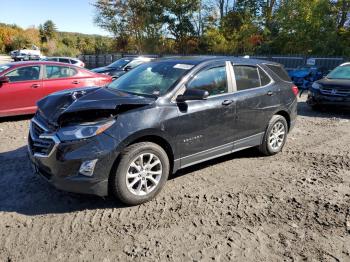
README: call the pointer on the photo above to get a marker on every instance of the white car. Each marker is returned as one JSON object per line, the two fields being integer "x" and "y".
{"x": 66, "y": 60}
{"x": 25, "y": 54}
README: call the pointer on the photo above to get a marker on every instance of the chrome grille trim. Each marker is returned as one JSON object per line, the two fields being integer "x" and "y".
{"x": 334, "y": 91}
{"x": 41, "y": 140}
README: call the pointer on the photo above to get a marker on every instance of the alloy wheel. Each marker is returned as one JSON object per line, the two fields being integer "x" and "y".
{"x": 277, "y": 136}
{"x": 144, "y": 174}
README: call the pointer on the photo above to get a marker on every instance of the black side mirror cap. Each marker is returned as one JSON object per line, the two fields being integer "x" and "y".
{"x": 192, "y": 94}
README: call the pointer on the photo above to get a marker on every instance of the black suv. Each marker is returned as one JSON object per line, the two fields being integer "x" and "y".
{"x": 332, "y": 90}
{"x": 126, "y": 138}
{"x": 122, "y": 65}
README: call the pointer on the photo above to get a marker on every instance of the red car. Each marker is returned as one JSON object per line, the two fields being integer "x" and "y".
{"x": 22, "y": 84}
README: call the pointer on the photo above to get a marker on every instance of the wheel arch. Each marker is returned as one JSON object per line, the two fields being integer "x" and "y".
{"x": 153, "y": 138}
{"x": 286, "y": 115}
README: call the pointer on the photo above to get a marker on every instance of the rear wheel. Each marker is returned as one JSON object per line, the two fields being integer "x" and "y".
{"x": 142, "y": 172}
{"x": 275, "y": 136}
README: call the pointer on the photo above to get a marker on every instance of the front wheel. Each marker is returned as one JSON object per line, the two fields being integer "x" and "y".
{"x": 141, "y": 173}
{"x": 275, "y": 136}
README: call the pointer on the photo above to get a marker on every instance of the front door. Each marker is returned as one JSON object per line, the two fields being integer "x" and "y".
{"x": 205, "y": 126}
{"x": 20, "y": 94}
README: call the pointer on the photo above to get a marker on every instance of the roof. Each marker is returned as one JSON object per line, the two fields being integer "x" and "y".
{"x": 195, "y": 60}
{"x": 65, "y": 57}
{"x": 24, "y": 63}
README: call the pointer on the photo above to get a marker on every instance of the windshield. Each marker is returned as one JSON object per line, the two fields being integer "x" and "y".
{"x": 152, "y": 78}
{"x": 340, "y": 72}
{"x": 4, "y": 67}
{"x": 120, "y": 63}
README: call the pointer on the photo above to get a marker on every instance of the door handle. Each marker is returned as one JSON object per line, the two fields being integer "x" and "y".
{"x": 227, "y": 102}
{"x": 270, "y": 93}
{"x": 35, "y": 85}
{"x": 75, "y": 82}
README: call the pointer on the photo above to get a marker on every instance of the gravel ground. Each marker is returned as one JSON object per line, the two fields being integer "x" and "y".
{"x": 293, "y": 206}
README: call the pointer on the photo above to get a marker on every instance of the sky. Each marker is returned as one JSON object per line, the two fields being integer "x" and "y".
{"x": 68, "y": 15}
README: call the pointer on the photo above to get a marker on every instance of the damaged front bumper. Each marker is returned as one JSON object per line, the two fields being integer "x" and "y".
{"x": 59, "y": 162}
{"x": 315, "y": 97}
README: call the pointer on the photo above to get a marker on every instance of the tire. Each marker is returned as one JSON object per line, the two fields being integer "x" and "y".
{"x": 134, "y": 182}
{"x": 273, "y": 145}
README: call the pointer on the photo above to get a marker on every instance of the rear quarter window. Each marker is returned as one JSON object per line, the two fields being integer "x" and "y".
{"x": 73, "y": 61}
{"x": 264, "y": 78}
{"x": 280, "y": 72}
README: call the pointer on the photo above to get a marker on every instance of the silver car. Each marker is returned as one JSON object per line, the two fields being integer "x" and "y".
{"x": 66, "y": 60}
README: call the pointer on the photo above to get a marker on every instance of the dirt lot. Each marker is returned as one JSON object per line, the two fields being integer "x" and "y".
{"x": 293, "y": 206}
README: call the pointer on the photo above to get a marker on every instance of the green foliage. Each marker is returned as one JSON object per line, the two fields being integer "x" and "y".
{"x": 309, "y": 27}
{"x": 317, "y": 27}
{"x": 47, "y": 31}
{"x": 52, "y": 42}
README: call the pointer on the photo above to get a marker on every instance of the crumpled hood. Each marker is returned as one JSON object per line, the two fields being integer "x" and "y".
{"x": 54, "y": 106}
{"x": 335, "y": 83}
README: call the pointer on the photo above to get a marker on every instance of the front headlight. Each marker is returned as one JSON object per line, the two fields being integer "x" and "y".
{"x": 83, "y": 130}
{"x": 316, "y": 85}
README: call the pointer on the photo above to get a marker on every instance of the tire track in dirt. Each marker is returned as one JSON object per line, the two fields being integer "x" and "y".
{"x": 292, "y": 206}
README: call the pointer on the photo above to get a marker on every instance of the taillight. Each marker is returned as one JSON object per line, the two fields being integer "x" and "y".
{"x": 295, "y": 90}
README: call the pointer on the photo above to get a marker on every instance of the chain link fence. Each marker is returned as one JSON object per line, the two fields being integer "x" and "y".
{"x": 289, "y": 62}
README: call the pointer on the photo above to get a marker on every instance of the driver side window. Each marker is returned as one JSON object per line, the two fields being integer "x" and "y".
{"x": 213, "y": 80}
{"x": 28, "y": 73}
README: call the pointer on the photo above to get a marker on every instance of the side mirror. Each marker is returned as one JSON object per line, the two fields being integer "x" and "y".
{"x": 192, "y": 94}
{"x": 127, "y": 68}
{"x": 4, "y": 79}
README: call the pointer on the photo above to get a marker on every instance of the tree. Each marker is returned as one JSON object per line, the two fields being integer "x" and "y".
{"x": 47, "y": 31}
{"x": 179, "y": 21}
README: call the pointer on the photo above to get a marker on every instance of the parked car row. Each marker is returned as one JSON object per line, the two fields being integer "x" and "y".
{"x": 22, "y": 84}
{"x": 125, "y": 136}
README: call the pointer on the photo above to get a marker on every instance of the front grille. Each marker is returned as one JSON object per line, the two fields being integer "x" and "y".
{"x": 39, "y": 143}
{"x": 37, "y": 130}
{"x": 335, "y": 92}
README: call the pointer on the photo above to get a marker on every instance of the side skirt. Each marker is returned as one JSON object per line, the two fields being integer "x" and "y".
{"x": 215, "y": 152}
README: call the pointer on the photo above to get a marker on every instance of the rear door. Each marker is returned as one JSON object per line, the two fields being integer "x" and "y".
{"x": 256, "y": 101}
{"x": 59, "y": 78}
{"x": 20, "y": 95}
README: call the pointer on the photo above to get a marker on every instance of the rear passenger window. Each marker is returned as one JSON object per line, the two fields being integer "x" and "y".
{"x": 59, "y": 72}
{"x": 247, "y": 77}
{"x": 265, "y": 79}
{"x": 213, "y": 80}
{"x": 280, "y": 72}
{"x": 64, "y": 60}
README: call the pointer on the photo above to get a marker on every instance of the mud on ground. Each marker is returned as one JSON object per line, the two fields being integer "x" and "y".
{"x": 293, "y": 206}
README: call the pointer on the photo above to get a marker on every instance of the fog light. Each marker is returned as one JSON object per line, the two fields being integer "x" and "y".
{"x": 87, "y": 167}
